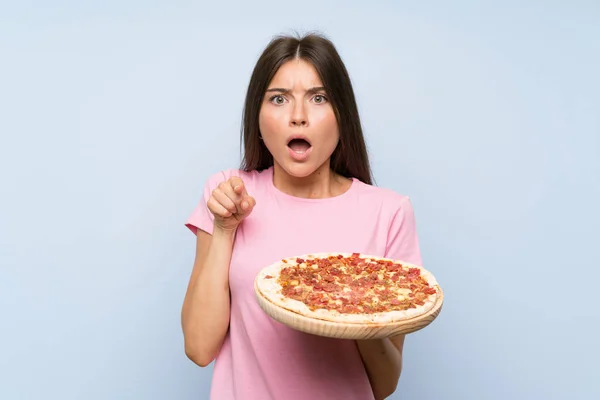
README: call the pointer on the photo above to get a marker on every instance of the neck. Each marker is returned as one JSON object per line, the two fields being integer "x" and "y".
{"x": 322, "y": 183}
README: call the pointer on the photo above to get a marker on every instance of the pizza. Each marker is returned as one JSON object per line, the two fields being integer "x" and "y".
{"x": 349, "y": 288}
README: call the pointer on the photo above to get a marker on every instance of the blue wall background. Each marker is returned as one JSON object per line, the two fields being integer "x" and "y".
{"x": 113, "y": 115}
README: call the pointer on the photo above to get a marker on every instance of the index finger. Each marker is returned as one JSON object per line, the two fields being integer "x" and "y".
{"x": 237, "y": 184}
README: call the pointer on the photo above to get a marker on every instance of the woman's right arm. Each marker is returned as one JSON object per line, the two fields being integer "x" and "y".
{"x": 205, "y": 312}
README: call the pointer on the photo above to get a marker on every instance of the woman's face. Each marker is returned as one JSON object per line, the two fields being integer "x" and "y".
{"x": 296, "y": 120}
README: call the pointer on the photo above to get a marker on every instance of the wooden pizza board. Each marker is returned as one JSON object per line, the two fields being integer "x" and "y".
{"x": 353, "y": 331}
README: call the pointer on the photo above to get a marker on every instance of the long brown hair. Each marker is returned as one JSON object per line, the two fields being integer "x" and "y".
{"x": 350, "y": 158}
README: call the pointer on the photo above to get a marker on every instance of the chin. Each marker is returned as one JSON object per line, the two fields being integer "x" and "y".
{"x": 300, "y": 170}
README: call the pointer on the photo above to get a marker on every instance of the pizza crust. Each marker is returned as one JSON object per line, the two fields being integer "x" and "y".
{"x": 272, "y": 291}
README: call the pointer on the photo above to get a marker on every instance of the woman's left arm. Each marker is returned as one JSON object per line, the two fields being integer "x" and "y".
{"x": 382, "y": 358}
{"x": 383, "y": 362}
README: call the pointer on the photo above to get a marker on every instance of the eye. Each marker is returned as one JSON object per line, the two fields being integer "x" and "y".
{"x": 320, "y": 99}
{"x": 277, "y": 99}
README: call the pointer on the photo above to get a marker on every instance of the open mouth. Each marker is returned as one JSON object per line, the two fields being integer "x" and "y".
{"x": 299, "y": 146}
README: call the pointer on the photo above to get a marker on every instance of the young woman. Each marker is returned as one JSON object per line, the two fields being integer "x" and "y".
{"x": 304, "y": 187}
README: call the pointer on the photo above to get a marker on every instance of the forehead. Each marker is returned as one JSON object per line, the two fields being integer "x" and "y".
{"x": 296, "y": 74}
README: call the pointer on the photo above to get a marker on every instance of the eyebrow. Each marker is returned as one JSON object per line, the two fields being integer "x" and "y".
{"x": 315, "y": 89}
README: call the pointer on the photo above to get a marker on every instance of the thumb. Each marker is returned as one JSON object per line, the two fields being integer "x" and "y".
{"x": 247, "y": 203}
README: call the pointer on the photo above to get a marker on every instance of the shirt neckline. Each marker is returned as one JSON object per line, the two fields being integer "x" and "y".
{"x": 284, "y": 195}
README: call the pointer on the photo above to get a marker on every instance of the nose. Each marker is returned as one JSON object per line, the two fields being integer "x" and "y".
{"x": 299, "y": 117}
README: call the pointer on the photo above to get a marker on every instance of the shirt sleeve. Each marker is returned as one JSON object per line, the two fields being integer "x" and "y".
{"x": 403, "y": 241}
{"x": 201, "y": 217}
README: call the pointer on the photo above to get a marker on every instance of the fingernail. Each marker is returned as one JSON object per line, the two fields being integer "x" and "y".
{"x": 244, "y": 204}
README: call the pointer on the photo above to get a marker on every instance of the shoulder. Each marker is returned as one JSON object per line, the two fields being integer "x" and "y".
{"x": 387, "y": 200}
{"x": 250, "y": 178}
